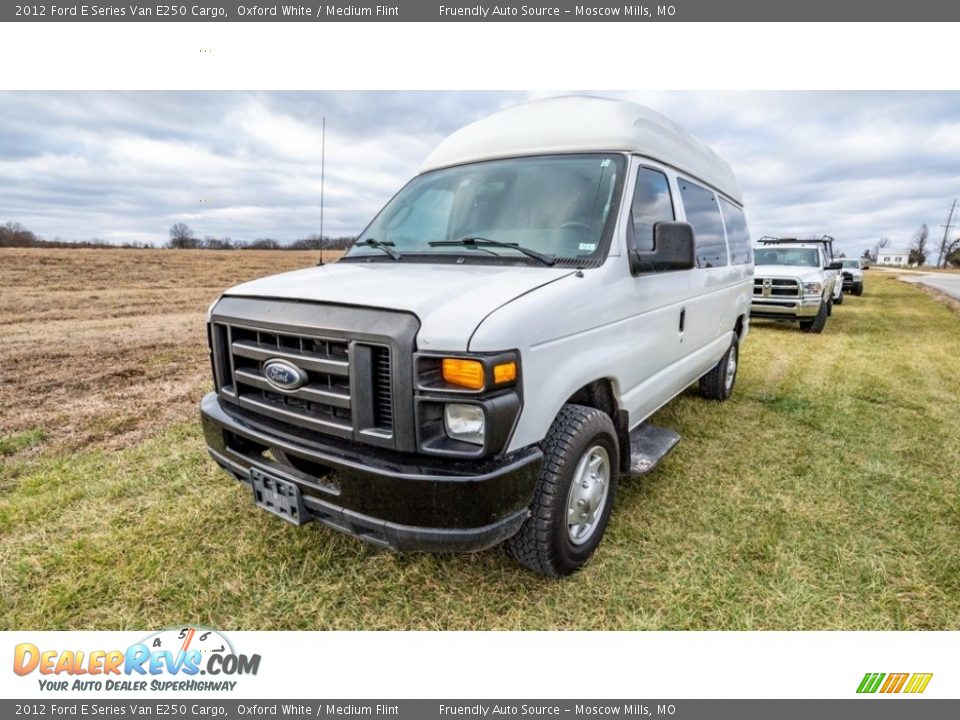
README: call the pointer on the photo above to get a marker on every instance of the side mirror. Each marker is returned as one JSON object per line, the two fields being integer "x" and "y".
{"x": 673, "y": 249}
{"x": 836, "y": 265}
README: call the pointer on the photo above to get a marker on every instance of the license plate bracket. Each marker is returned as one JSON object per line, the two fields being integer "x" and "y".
{"x": 278, "y": 496}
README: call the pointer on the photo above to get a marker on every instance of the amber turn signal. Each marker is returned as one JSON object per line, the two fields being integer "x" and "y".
{"x": 464, "y": 373}
{"x": 504, "y": 372}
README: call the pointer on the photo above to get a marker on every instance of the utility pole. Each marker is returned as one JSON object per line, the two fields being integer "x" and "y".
{"x": 941, "y": 261}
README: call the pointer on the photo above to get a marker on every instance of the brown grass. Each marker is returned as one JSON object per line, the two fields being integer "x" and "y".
{"x": 102, "y": 347}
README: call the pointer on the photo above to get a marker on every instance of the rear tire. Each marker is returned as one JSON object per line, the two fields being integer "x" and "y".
{"x": 817, "y": 324}
{"x": 718, "y": 383}
{"x": 839, "y": 299}
{"x": 574, "y": 496}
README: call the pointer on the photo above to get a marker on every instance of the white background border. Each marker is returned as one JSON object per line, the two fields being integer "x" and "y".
{"x": 528, "y": 56}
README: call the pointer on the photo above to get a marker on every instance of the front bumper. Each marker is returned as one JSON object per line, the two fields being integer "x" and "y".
{"x": 391, "y": 500}
{"x": 785, "y": 308}
{"x": 850, "y": 282}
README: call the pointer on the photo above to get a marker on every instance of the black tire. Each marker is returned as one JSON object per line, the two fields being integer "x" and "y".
{"x": 543, "y": 543}
{"x": 839, "y": 299}
{"x": 858, "y": 289}
{"x": 817, "y": 324}
{"x": 715, "y": 385}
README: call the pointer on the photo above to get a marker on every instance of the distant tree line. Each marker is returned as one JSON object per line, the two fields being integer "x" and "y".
{"x": 15, "y": 235}
{"x": 183, "y": 238}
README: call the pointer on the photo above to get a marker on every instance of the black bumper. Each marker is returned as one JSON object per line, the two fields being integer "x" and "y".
{"x": 397, "y": 502}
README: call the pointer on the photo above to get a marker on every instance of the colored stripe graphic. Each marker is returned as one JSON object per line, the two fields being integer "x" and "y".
{"x": 870, "y": 682}
{"x": 918, "y": 682}
{"x": 894, "y": 682}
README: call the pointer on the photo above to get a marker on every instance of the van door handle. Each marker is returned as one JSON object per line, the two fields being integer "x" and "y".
{"x": 683, "y": 318}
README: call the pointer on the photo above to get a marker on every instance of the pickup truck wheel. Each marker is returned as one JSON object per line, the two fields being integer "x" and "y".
{"x": 718, "y": 383}
{"x": 858, "y": 289}
{"x": 819, "y": 322}
{"x": 839, "y": 299}
{"x": 574, "y": 496}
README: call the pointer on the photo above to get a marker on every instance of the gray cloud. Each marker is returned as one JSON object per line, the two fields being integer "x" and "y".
{"x": 127, "y": 165}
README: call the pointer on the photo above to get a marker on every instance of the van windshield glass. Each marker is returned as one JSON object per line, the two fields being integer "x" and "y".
{"x": 851, "y": 263}
{"x": 557, "y": 205}
{"x": 801, "y": 257}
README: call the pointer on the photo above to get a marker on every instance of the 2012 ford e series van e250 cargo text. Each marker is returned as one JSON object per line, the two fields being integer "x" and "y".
{"x": 481, "y": 364}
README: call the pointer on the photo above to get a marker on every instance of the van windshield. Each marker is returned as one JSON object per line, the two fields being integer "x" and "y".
{"x": 801, "y": 257}
{"x": 557, "y": 205}
{"x": 851, "y": 263}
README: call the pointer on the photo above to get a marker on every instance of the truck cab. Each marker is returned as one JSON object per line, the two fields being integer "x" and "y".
{"x": 481, "y": 365}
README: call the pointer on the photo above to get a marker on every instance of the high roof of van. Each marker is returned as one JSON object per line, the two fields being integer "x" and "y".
{"x": 584, "y": 124}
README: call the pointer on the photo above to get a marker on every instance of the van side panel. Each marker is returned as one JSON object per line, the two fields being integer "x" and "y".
{"x": 605, "y": 323}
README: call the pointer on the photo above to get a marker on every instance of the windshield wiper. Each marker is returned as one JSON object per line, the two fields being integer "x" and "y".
{"x": 479, "y": 242}
{"x": 385, "y": 246}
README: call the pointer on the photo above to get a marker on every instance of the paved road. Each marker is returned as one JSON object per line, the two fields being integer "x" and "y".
{"x": 949, "y": 284}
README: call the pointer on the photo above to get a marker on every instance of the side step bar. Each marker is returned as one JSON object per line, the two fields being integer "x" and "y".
{"x": 649, "y": 444}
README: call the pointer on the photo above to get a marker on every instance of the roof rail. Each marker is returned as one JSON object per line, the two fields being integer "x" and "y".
{"x": 826, "y": 240}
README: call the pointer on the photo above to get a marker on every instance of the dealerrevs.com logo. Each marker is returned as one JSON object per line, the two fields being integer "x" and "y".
{"x": 170, "y": 660}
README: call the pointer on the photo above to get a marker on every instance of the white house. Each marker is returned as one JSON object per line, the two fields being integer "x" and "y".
{"x": 886, "y": 256}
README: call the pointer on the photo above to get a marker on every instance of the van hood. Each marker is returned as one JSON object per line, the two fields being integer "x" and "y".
{"x": 449, "y": 300}
{"x": 806, "y": 274}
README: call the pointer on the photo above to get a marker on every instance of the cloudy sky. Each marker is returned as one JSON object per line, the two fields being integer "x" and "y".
{"x": 125, "y": 166}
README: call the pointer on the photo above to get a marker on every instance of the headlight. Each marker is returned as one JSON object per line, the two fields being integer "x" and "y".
{"x": 464, "y": 422}
{"x": 813, "y": 288}
{"x": 463, "y": 373}
{"x": 476, "y": 374}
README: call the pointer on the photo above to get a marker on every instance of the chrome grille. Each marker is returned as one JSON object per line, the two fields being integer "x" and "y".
{"x": 325, "y": 403}
{"x": 776, "y": 287}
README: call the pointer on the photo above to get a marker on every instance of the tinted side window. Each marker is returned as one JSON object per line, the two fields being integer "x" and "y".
{"x": 651, "y": 204}
{"x": 703, "y": 214}
{"x": 738, "y": 237}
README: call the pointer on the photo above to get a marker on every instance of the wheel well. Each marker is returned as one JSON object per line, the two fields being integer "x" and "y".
{"x": 599, "y": 394}
{"x": 738, "y": 326}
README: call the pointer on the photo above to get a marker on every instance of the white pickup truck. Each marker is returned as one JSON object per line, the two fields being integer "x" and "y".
{"x": 481, "y": 364}
{"x": 795, "y": 281}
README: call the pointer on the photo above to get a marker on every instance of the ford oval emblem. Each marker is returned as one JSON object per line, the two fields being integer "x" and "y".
{"x": 284, "y": 375}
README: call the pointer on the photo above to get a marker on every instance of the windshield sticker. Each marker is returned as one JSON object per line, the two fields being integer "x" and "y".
{"x": 588, "y": 247}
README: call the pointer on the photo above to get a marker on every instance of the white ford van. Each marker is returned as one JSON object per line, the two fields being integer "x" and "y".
{"x": 481, "y": 364}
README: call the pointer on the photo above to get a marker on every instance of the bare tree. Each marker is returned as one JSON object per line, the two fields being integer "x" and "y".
{"x": 214, "y": 243}
{"x": 13, "y": 234}
{"x": 263, "y": 244}
{"x": 883, "y": 242}
{"x": 181, "y": 237}
{"x": 952, "y": 253}
{"x": 918, "y": 248}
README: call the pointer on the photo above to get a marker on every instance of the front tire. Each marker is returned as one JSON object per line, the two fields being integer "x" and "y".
{"x": 574, "y": 496}
{"x": 858, "y": 289}
{"x": 819, "y": 322}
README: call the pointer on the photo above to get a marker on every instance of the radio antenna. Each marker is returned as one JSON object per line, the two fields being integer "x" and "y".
{"x": 323, "y": 157}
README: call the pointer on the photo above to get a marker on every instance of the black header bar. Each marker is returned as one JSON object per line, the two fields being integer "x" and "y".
{"x": 465, "y": 11}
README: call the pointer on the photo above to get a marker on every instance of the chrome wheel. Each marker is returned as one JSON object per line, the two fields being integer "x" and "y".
{"x": 731, "y": 373}
{"x": 588, "y": 494}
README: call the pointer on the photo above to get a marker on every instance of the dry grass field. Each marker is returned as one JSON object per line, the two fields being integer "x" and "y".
{"x": 824, "y": 495}
{"x": 102, "y": 347}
